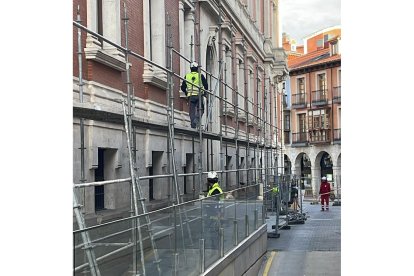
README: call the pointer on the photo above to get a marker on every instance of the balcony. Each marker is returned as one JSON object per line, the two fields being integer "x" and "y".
{"x": 299, "y": 100}
{"x": 300, "y": 139}
{"x": 337, "y": 136}
{"x": 286, "y": 136}
{"x": 319, "y": 97}
{"x": 319, "y": 136}
{"x": 337, "y": 94}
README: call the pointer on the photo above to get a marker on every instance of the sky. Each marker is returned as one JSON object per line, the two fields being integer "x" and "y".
{"x": 304, "y": 17}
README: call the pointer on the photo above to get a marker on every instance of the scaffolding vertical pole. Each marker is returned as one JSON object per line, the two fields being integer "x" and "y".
{"x": 257, "y": 125}
{"x": 200, "y": 98}
{"x": 224, "y": 155}
{"x": 90, "y": 254}
{"x": 171, "y": 200}
{"x": 220, "y": 104}
{"x": 81, "y": 120}
{"x": 170, "y": 115}
{"x": 128, "y": 84}
{"x": 192, "y": 137}
{"x": 246, "y": 107}
{"x": 266, "y": 164}
{"x": 194, "y": 168}
{"x": 275, "y": 125}
{"x": 135, "y": 195}
{"x": 236, "y": 81}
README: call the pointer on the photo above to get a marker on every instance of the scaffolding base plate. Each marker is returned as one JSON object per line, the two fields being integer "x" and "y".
{"x": 285, "y": 227}
{"x": 273, "y": 235}
{"x": 297, "y": 222}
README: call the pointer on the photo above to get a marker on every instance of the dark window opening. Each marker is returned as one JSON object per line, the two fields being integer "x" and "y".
{"x": 151, "y": 184}
{"x": 185, "y": 180}
{"x": 100, "y": 19}
{"x": 99, "y": 176}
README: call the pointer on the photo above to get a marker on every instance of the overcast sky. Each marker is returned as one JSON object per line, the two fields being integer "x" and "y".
{"x": 304, "y": 17}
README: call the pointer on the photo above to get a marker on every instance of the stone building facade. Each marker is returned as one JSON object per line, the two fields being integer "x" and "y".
{"x": 237, "y": 40}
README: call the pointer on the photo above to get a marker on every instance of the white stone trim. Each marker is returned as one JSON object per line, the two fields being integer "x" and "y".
{"x": 111, "y": 23}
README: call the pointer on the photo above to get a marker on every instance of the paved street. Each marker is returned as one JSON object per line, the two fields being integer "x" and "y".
{"x": 309, "y": 249}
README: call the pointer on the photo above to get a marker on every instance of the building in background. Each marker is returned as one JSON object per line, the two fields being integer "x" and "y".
{"x": 312, "y": 112}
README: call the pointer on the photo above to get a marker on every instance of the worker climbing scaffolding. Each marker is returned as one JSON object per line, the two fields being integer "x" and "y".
{"x": 190, "y": 87}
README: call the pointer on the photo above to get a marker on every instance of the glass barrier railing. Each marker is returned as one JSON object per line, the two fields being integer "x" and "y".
{"x": 188, "y": 237}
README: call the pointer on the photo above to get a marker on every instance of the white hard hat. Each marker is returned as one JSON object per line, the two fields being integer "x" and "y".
{"x": 212, "y": 175}
{"x": 194, "y": 64}
{"x": 323, "y": 178}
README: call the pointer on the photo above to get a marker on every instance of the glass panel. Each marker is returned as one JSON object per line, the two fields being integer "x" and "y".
{"x": 112, "y": 246}
{"x": 212, "y": 213}
{"x": 175, "y": 232}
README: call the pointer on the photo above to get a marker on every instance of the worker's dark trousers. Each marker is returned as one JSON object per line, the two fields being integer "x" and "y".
{"x": 195, "y": 116}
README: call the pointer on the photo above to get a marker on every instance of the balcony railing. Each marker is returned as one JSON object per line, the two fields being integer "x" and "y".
{"x": 337, "y": 94}
{"x": 300, "y": 138}
{"x": 337, "y": 134}
{"x": 286, "y": 136}
{"x": 299, "y": 100}
{"x": 319, "y": 97}
{"x": 320, "y": 136}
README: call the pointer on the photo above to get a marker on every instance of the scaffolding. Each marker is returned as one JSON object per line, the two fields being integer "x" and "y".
{"x": 138, "y": 234}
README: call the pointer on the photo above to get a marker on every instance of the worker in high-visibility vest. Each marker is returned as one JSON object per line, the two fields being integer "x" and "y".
{"x": 214, "y": 209}
{"x": 190, "y": 87}
{"x": 214, "y": 187}
{"x": 275, "y": 194}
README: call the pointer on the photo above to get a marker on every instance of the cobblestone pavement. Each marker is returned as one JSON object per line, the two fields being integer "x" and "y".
{"x": 309, "y": 249}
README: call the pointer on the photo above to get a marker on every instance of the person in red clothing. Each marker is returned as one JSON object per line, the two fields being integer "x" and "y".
{"x": 324, "y": 192}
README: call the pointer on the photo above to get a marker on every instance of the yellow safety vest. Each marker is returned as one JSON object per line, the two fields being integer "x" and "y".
{"x": 215, "y": 187}
{"x": 192, "y": 78}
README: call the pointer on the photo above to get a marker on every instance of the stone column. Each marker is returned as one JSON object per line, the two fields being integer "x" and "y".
{"x": 316, "y": 181}
{"x": 336, "y": 171}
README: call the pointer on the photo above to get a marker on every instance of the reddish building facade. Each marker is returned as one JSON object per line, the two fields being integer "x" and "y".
{"x": 314, "y": 138}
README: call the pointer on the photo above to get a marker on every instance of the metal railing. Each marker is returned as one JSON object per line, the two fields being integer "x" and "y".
{"x": 217, "y": 224}
{"x": 286, "y": 137}
{"x": 299, "y": 137}
{"x": 320, "y": 97}
{"x": 320, "y": 135}
{"x": 299, "y": 100}
{"x": 337, "y": 134}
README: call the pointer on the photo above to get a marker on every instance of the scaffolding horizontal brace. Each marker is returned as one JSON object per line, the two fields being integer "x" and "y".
{"x": 88, "y": 111}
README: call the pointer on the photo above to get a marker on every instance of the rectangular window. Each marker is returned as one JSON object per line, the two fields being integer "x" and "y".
{"x": 301, "y": 85}
{"x": 322, "y": 81}
{"x": 301, "y": 91}
{"x": 104, "y": 18}
{"x": 319, "y": 43}
{"x": 240, "y": 89}
{"x": 250, "y": 87}
{"x": 99, "y": 19}
{"x": 318, "y": 119}
{"x": 287, "y": 122}
{"x": 259, "y": 99}
{"x": 302, "y": 122}
{"x": 229, "y": 79}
